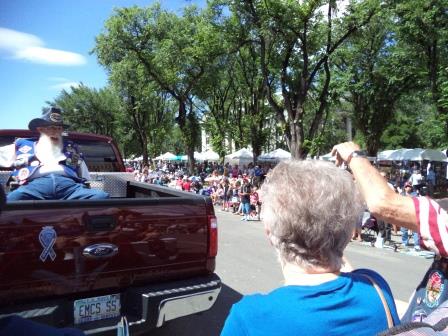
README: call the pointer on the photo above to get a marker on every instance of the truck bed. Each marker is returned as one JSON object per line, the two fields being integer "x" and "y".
{"x": 144, "y": 243}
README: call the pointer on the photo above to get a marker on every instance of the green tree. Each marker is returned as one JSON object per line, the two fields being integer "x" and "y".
{"x": 173, "y": 141}
{"x": 148, "y": 115}
{"x": 296, "y": 41}
{"x": 423, "y": 25}
{"x": 403, "y": 128}
{"x": 253, "y": 94}
{"x": 235, "y": 97}
{"x": 377, "y": 71}
{"x": 90, "y": 110}
{"x": 175, "y": 52}
{"x": 218, "y": 92}
{"x": 416, "y": 123}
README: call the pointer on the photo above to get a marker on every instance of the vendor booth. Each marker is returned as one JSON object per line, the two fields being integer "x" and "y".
{"x": 197, "y": 157}
{"x": 241, "y": 157}
{"x": 210, "y": 155}
{"x": 401, "y": 163}
{"x": 414, "y": 154}
{"x": 166, "y": 157}
{"x": 275, "y": 156}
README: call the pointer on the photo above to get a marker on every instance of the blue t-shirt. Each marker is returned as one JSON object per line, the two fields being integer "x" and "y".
{"x": 348, "y": 305}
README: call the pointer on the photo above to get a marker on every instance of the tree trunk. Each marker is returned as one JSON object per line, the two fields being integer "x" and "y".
{"x": 141, "y": 134}
{"x": 372, "y": 145}
{"x": 145, "y": 149}
{"x": 190, "y": 155}
{"x": 295, "y": 141}
{"x": 295, "y": 136}
{"x": 188, "y": 130}
{"x": 256, "y": 142}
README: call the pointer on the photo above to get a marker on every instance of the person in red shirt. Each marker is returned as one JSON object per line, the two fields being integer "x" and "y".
{"x": 420, "y": 214}
{"x": 186, "y": 185}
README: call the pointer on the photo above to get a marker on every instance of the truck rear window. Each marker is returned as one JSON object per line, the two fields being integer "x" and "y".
{"x": 99, "y": 156}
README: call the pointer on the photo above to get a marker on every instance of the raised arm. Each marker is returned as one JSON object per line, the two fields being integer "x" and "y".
{"x": 381, "y": 200}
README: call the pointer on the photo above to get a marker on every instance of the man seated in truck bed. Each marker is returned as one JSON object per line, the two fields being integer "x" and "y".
{"x": 48, "y": 168}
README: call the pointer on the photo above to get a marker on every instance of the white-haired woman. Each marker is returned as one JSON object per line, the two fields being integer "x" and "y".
{"x": 309, "y": 223}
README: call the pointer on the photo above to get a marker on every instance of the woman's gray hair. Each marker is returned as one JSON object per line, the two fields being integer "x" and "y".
{"x": 311, "y": 209}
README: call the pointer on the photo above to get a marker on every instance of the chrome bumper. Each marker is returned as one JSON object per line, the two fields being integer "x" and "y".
{"x": 166, "y": 304}
{"x": 202, "y": 298}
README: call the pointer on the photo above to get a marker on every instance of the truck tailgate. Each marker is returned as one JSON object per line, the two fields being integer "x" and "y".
{"x": 48, "y": 249}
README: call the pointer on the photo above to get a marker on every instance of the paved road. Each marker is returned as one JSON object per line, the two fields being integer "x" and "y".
{"x": 246, "y": 264}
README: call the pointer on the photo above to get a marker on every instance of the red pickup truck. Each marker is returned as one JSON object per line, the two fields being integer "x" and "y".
{"x": 147, "y": 253}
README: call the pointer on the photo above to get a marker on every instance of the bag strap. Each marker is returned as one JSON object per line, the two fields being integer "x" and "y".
{"x": 390, "y": 320}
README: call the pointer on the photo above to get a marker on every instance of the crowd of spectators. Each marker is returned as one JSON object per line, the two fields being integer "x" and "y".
{"x": 422, "y": 176}
{"x": 233, "y": 188}
{"x": 412, "y": 182}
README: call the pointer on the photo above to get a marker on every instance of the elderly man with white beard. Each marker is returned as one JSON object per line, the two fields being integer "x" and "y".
{"x": 49, "y": 168}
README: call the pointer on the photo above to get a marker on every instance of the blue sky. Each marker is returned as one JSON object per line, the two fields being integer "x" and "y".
{"x": 44, "y": 48}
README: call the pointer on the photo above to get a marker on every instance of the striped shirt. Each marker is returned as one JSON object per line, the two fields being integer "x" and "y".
{"x": 432, "y": 222}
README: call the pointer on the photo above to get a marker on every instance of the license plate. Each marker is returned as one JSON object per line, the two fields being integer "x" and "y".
{"x": 96, "y": 308}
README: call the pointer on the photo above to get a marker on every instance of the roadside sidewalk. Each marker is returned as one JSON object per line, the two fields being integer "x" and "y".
{"x": 395, "y": 245}
{"x": 443, "y": 203}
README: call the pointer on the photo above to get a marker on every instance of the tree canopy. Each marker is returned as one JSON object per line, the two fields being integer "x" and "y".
{"x": 292, "y": 74}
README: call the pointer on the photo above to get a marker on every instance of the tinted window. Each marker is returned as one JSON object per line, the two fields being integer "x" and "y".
{"x": 96, "y": 151}
{"x": 99, "y": 156}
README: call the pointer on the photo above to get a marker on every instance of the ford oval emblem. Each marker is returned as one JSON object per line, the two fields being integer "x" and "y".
{"x": 104, "y": 250}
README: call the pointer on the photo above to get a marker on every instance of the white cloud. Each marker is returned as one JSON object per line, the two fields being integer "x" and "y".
{"x": 50, "y": 56}
{"x": 13, "y": 40}
{"x": 31, "y": 48}
{"x": 64, "y": 85}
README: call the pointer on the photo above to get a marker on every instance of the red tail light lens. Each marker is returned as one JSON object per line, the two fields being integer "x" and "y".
{"x": 213, "y": 236}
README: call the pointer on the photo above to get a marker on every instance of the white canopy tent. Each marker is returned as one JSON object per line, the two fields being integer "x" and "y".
{"x": 197, "y": 156}
{"x": 415, "y": 154}
{"x": 264, "y": 157}
{"x": 327, "y": 157}
{"x": 166, "y": 157}
{"x": 241, "y": 157}
{"x": 275, "y": 155}
{"x": 210, "y": 155}
{"x": 385, "y": 155}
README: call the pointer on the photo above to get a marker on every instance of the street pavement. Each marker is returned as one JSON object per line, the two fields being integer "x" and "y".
{"x": 247, "y": 264}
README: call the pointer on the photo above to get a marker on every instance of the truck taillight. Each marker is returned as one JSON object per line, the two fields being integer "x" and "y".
{"x": 213, "y": 236}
